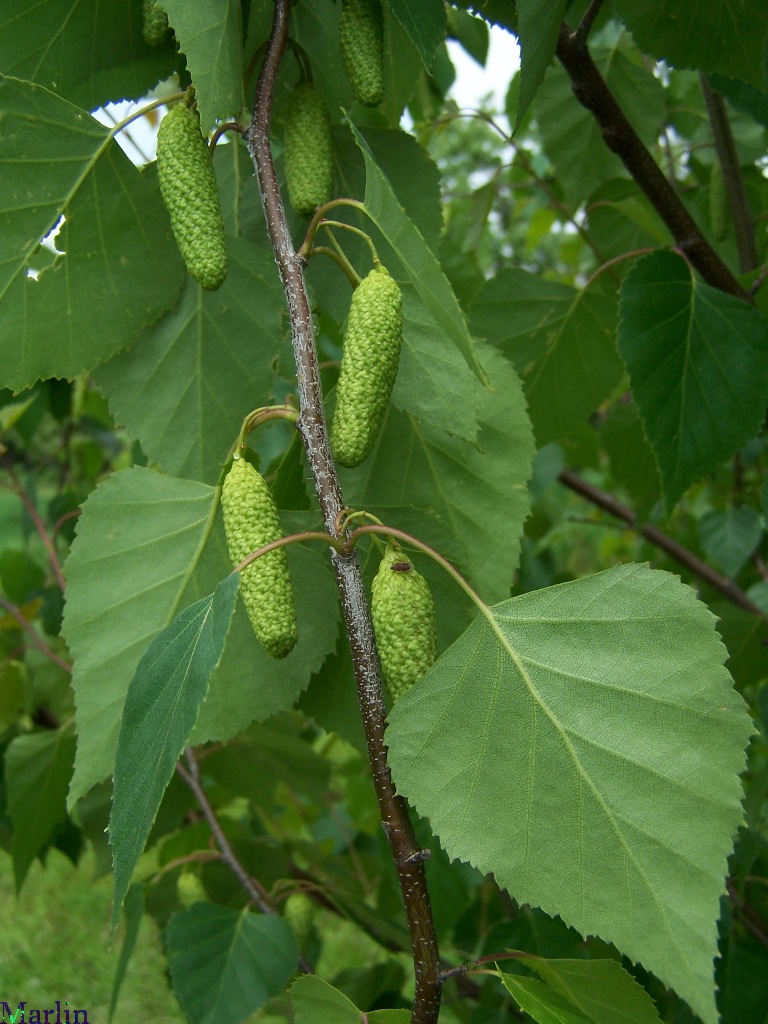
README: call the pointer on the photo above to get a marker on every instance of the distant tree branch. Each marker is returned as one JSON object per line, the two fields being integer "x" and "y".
{"x": 738, "y": 204}
{"x": 651, "y": 533}
{"x": 591, "y": 91}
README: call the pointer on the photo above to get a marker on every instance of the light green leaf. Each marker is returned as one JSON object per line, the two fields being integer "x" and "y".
{"x": 227, "y": 963}
{"x": 729, "y": 537}
{"x": 602, "y": 990}
{"x": 317, "y": 1002}
{"x": 561, "y": 341}
{"x": 46, "y": 42}
{"x": 540, "y": 1002}
{"x": 38, "y": 766}
{"x": 120, "y": 269}
{"x": 210, "y": 35}
{"x": 698, "y": 366}
{"x": 424, "y": 21}
{"x": 729, "y": 37}
{"x": 585, "y": 746}
{"x": 161, "y": 707}
{"x": 419, "y": 264}
{"x": 184, "y": 388}
{"x": 479, "y": 491}
{"x": 138, "y": 538}
{"x": 539, "y": 24}
{"x": 572, "y": 137}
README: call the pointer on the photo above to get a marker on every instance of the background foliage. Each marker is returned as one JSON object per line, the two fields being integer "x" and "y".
{"x": 582, "y": 391}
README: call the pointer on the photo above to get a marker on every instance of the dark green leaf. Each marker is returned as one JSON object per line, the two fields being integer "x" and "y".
{"x": 133, "y": 911}
{"x": 38, "y": 767}
{"x": 227, "y": 963}
{"x": 120, "y": 267}
{"x": 698, "y": 365}
{"x": 184, "y": 388}
{"x": 561, "y": 341}
{"x": 539, "y": 24}
{"x": 424, "y": 21}
{"x": 728, "y": 37}
{"x": 162, "y": 705}
{"x": 88, "y": 52}
{"x": 210, "y": 36}
{"x": 729, "y": 537}
{"x": 589, "y": 733}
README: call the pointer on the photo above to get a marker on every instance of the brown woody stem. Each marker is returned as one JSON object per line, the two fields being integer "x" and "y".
{"x": 591, "y": 91}
{"x": 311, "y": 425}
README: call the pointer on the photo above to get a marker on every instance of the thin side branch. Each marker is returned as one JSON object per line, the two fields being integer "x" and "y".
{"x": 591, "y": 91}
{"x": 311, "y": 425}
{"x": 738, "y": 204}
{"x": 680, "y": 554}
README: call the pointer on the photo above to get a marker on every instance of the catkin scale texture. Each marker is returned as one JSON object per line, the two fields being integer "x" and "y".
{"x": 250, "y": 522}
{"x": 361, "y": 41}
{"x": 403, "y": 614}
{"x": 372, "y": 343}
{"x": 190, "y": 193}
{"x": 308, "y": 155}
{"x": 154, "y": 28}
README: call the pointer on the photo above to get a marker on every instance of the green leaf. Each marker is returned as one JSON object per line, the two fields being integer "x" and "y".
{"x": 602, "y": 990}
{"x": 425, "y": 22}
{"x": 585, "y": 746}
{"x": 539, "y": 24}
{"x": 729, "y": 537}
{"x": 561, "y": 341}
{"x": 698, "y": 366}
{"x": 416, "y": 258}
{"x": 46, "y": 42}
{"x": 184, "y": 388}
{"x": 133, "y": 911}
{"x": 120, "y": 269}
{"x": 227, "y": 963}
{"x": 316, "y": 1002}
{"x": 729, "y": 37}
{"x": 631, "y": 458}
{"x": 146, "y": 547}
{"x": 38, "y": 767}
{"x": 210, "y": 35}
{"x": 745, "y": 97}
{"x": 161, "y": 707}
{"x": 572, "y": 137}
{"x": 138, "y": 537}
{"x": 478, "y": 491}
{"x": 540, "y": 1002}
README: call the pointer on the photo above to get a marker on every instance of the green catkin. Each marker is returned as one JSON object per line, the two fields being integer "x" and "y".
{"x": 154, "y": 28}
{"x": 361, "y": 40}
{"x": 190, "y": 890}
{"x": 189, "y": 191}
{"x": 300, "y": 912}
{"x": 403, "y": 614}
{"x": 372, "y": 343}
{"x": 308, "y": 156}
{"x": 250, "y": 522}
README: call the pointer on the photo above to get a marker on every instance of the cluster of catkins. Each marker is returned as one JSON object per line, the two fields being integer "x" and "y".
{"x": 402, "y": 607}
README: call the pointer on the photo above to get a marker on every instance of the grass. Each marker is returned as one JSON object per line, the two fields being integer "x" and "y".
{"x": 54, "y": 945}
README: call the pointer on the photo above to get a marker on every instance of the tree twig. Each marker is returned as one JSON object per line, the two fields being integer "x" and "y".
{"x": 680, "y": 554}
{"x": 738, "y": 204}
{"x": 48, "y": 544}
{"x": 38, "y": 643}
{"x": 591, "y": 91}
{"x": 311, "y": 425}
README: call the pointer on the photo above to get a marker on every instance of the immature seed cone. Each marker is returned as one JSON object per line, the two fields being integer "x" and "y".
{"x": 403, "y": 615}
{"x": 300, "y": 912}
{"x": 154, "y": 28}
{"x": 190, "y": 890}
{"x": 308, "y": 157}
{"x": 372, "y": 343}
{"x": 190, "y": 193}
{"x": 250, "y": 522}
{"x": 361, "y": 40}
